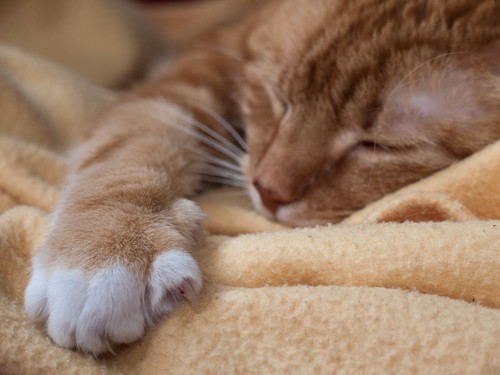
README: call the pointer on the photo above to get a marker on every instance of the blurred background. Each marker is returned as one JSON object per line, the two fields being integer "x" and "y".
{"x": 111, "y": 42}
{"x": 164, "y": 1}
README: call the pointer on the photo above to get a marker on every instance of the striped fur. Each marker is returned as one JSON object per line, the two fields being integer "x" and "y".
{"x": 341, "y": 102}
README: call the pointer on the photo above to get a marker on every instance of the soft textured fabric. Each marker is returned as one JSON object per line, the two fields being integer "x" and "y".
{"x": 386, "y": 292}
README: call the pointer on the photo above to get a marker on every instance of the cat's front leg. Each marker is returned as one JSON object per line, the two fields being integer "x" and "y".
{"x": 117, "y": 256}
{"x": 97, "y": 297}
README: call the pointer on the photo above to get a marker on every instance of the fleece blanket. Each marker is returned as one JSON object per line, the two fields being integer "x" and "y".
{"x": 408, "y": 285}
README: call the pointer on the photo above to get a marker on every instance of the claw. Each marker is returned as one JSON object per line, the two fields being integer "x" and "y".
{"x": 109, "y": 347}
{"x": 188, "y": 293}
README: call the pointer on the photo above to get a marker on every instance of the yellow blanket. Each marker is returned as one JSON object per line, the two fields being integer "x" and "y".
{"x": 376, "y": 294}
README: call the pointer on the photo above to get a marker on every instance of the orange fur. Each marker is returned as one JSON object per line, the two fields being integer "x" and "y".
{"x": 315, "y": 82}
{"x": 341, "y": 102}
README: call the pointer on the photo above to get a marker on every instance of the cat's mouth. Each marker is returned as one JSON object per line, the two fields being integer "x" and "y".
{"x": 257, "y": 203}
{"x": 295, "y": 214}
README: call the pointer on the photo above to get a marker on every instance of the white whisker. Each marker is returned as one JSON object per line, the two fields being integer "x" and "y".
{"x": 217, "y": 136}
{"x": 221, "y": 173}
{"x": 204, "y": 139}
{"x": 222, "y": 163}
{"x": 222, "y": 181}
{"x": 446, "y": 54}
{"x": 220, "y": 121}
{"x": 209, "y": 167}
{"x": 209, "y": 159}
{"x": 224, "y": 123}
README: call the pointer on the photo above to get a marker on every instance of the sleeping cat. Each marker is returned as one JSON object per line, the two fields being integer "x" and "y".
{"x": 340, "y": 102}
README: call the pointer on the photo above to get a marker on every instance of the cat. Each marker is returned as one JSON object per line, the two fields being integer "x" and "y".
{"x": 340, "y": 102}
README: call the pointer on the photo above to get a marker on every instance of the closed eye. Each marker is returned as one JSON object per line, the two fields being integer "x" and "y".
{"x": 379, "y": 147}
{"x": 286, "y": 110}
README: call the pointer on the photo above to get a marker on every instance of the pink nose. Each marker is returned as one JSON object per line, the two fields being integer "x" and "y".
{"x": 270, "y": 197}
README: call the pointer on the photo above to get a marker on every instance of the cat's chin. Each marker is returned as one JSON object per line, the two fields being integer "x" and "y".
{"x": 294, "y": 215}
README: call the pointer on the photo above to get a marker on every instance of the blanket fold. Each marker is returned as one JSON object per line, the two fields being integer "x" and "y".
{"x": 410, "y": 284}
{"x": 457, "y": 260}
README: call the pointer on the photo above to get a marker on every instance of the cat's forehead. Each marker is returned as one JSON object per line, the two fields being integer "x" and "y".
{"x": 284, "y": 29}
{"x": 332, "y": 44}
{"x": 372, "y": 28}
{"x": 353, "y": 52}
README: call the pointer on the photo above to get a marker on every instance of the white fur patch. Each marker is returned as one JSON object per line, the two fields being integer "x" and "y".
{"x": 257, "y": 202}
{"x": 112, "y": 305}
{"x": 170, "y": 271}
{"x": 66, "y": 292}
{"x": 427, "y": 105}
{"x": 35, "y": 296}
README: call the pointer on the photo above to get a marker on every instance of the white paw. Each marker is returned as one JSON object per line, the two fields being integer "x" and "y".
{"x": 112, "y": 306}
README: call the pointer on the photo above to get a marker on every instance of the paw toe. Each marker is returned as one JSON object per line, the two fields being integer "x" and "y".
{"x": 35, "y": 297}
{"x": 66, "y": 298}
{"x": 175, "y": 276}
{"x": 112, "y": 306}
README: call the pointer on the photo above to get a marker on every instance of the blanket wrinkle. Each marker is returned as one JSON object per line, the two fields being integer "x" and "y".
{"x": 409, "y": 285}
{"x": 360, "y": 256}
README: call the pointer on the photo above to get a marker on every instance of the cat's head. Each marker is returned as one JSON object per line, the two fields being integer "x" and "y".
{"x": 346, "y": 101}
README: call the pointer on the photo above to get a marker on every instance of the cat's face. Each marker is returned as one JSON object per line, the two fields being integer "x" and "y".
{"x": 346, "y": 101}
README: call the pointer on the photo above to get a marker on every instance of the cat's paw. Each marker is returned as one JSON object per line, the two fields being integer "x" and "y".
{"x": 114, "y": 304}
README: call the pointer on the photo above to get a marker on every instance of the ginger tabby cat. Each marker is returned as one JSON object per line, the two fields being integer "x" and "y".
{"x": 340, "y": 101}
